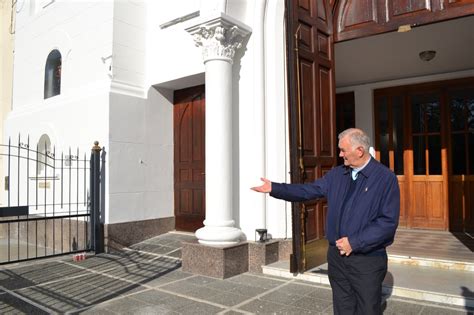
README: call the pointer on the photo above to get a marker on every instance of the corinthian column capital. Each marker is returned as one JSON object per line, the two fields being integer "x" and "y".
{"x": 220, "y": 37}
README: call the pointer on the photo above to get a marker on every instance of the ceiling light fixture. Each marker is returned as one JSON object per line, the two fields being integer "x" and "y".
{"x": 427, "y": 55}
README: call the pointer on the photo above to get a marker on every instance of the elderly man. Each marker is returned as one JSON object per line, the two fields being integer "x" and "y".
{"x": 364, "y": 205}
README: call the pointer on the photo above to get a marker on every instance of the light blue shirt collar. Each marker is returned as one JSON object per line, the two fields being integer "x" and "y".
{"x": 355, "y": 171}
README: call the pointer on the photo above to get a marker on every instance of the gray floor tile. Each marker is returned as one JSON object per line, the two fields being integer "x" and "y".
{"x": 151, "y": 310}
{"x": 202, "y": 293}
{"x": 322, "y": 294}
{"x": 66, "y": 296}
{"x": 227, "y": 299}
{"x": 256, "y": 281}
{"x": 159, "y": 281}
{"x": 199, "y": 308}
{"x": 312, "y": 304}
{"x": 295, "y": 311}
{"x": 96, "y": 310}
{"x": 152, "y": 296}
{"x": 178, "y": 274}
{"x": 222, "y": 285}
{"x": 152, "y": 248}
{"x": 126, "y": 305}
{"x": 232, "y": 312}
{"x": 201, "y": 280}
{"x": 181, "y": 287}
{"x": 10, "y": 304}
{"x": 281, "y": 297}
{"x": 176, "y": 254}
{"x": 431, "y": 310}
{"x": 296, "y": 288}
{"x": 174, "y": 303}
{"x": 37, "y": 274}
{"x": 397, "y": 307}
{"x": 247, "y": 290}
{"x": 262, "y": 307}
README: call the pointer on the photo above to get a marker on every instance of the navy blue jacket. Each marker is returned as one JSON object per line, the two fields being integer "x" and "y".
{"x": 370, "y": 223}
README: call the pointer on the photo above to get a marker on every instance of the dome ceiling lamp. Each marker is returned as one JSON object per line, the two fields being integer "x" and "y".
{"x": 427, "y": 55}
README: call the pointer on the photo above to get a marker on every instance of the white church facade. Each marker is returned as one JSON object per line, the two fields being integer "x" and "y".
{"x": 120, "y": 65}
{"x": 193, "y": 101}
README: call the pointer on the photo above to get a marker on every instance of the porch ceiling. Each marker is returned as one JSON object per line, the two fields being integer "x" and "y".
{"x": 394, "y": 55}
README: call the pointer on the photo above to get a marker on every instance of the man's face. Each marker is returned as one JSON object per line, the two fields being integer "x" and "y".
{"x": 352, "y": 156}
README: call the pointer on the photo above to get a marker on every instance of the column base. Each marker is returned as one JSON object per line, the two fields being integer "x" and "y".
{"x": 219, "y": 236}
{"x": 217, "y": 262}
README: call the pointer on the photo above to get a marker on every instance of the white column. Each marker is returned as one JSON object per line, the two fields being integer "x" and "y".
{"x": 219, "y": 37}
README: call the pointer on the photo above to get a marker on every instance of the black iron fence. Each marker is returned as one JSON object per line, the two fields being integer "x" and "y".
{"x": 50, "y": 202}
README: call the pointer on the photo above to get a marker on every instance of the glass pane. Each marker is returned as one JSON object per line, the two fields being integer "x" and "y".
{"x": 471, "y": 153}
{"x": 470, "y": 114}
{"x": 457, "y": 114}
{"x": 419, "y": 166}
{"x": 383, "y": 129}
{"x": 434, "y": 149}
{"x": 433, "y": 116}
{"x": 397, "y": 110}
{"x": 417, "y": 116}
{"x": 458, "y": 154}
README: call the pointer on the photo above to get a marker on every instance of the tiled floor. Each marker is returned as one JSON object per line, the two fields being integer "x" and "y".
{"x": 147, "y": 279}
{"x": 433, "y": 244}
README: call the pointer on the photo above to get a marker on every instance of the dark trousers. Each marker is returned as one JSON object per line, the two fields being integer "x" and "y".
{"x": 356, "y": 282}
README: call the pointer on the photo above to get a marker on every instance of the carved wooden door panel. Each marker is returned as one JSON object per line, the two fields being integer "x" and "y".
{"x": 189, "y": 158}
{"x": 359, "y": 18}
{"x": 312, "y": 118}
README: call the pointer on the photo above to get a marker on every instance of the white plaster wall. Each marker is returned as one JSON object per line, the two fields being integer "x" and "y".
{"x": 364, "y": 101}
{"x": 141, "y": 157}
{"x": 82, "y": 32}
{"x": 129, "y": 42}
{"x": 260, "y": 133}
{"x": 278, "y": 213}
{"x": 171, "y": 53}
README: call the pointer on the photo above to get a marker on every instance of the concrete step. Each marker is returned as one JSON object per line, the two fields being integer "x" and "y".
{"x": 452, "y": 284}
{"x": 432, "y": 262}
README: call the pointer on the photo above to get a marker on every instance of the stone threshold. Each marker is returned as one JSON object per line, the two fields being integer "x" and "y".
{"x": 432, "y": 263}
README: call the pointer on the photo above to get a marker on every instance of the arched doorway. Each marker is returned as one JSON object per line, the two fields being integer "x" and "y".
{"x": 313, "y": 28}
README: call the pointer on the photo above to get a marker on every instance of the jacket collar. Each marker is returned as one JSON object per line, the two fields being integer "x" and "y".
{"x": 366, "y": 171}
{"x": 369, "y": 168}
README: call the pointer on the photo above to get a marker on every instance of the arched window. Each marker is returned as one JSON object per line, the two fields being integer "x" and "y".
{"x": 52, "y": 74}
{"x": 44, "y": 148}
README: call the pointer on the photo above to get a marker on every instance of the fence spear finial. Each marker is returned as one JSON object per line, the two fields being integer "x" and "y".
{"x": 96, "y": 146}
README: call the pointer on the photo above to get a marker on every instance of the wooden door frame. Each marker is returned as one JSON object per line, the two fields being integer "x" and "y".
{"x": 296, "y": 264}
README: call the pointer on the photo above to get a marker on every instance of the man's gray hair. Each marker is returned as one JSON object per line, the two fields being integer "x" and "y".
{"x": 357, "y": 137}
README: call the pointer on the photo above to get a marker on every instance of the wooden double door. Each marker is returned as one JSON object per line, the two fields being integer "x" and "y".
{"x": 425, "y": 134}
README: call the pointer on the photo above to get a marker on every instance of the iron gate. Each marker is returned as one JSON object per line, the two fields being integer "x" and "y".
{"x": 50, "y": 203}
